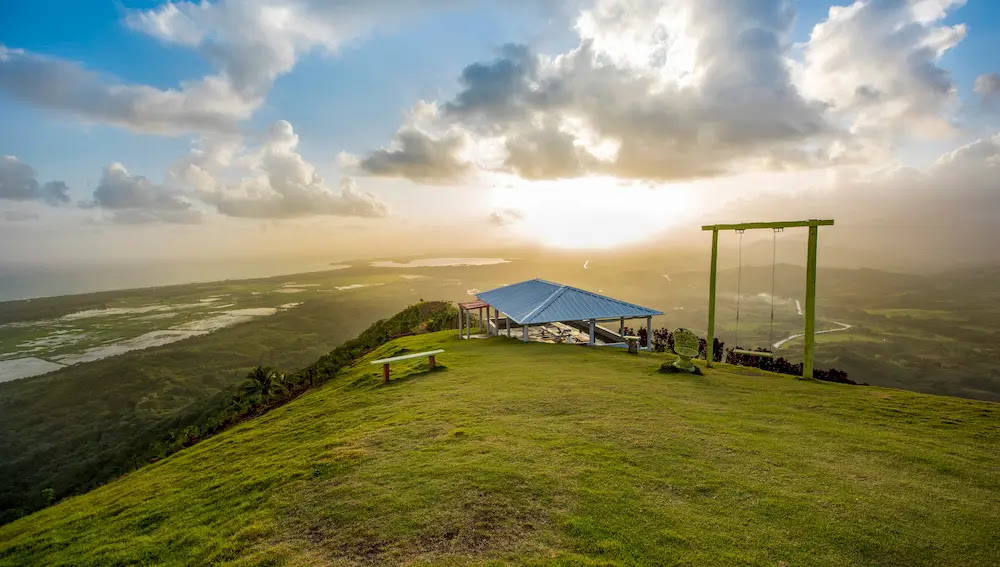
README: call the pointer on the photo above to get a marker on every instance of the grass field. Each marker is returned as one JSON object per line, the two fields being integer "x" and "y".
{"x": 555, "y": 455}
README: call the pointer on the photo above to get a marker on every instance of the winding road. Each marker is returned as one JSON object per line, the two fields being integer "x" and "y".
{"x": 843, "y": 327}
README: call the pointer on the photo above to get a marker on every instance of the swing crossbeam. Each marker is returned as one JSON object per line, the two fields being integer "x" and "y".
{"x": 756, "y": 225}
{"x": 810, "y": 307}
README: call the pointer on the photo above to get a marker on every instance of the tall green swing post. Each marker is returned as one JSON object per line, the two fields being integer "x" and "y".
{"x": 809, "y": 334}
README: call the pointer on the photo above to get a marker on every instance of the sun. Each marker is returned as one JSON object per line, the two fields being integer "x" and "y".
{"x": 591, "y": 212}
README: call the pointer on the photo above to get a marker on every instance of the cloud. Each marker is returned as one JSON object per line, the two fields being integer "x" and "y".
{"x": 876, "y": 64}
{"x": 133, "y": 199}
{"x": 683, "y": 89}
{"x": 209, "y": 104}
{"x": 505, "y": 217}
{"x": 418, "y": 156}
{"x": 273, "y": 181}
{"x": 18, "y": 215}
{"x": 545, "y": 152}
{"x": 496, "y": 90}
{"x": 938, "y": 215}
{"x": 425, "y": 149}
{"x": 18, "y": 182}
{"x": 250, "y": 43}
{"x": 988, "y": 85}
{"x": 654, "y": 90}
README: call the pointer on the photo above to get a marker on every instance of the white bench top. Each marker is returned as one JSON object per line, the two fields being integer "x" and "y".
{"x": 406, "y": 356}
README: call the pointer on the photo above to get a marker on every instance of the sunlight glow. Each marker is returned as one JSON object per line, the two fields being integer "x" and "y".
{"x": 591, "y": 212}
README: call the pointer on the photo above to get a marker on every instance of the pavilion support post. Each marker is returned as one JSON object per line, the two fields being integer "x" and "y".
{"x": 649, "y": 334}
{"x": 525, "y": 329}
{"x": 593, "y": 332}
{"x": 711, "y": 294}
{"x": 506, "y": 318}
{"x": 810, "y": 332}
{"x": 621, "y": 328}
{"x": 468, "y": 323}
{"x": 482, "y": 322}
{"x": 461, "y": 330}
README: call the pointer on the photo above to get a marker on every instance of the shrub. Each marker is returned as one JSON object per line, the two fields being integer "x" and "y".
{"x": 782, "y": 366}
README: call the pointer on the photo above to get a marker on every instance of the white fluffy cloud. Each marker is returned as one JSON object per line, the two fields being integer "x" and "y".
{"x": 19, "y": 182}
{"x": 207, "y": 104}
{"x": 876, "y": 64}
{"x": 417, "y": 155}
{"x": 681, "y": 89}
{"x": 424, "y": 149}
{"x": 133, "y": 199}
{"x": 270, "y": 181}
{"x": 250, "y": 43}
{"x": 655, "y": 90}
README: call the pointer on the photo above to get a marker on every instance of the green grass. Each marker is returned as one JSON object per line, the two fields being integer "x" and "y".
{"x": 555, "y": 455}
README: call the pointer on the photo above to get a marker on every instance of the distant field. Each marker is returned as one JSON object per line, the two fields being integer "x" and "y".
{"x": 920, "y": 314}
{"x": 514, "y": 454}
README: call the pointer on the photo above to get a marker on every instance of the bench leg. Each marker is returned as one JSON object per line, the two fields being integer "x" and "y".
{"x": 431, "y": 361}
{"x": 385, "y": 373}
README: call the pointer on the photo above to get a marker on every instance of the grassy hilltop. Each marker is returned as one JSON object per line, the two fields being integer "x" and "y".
{"x": 555, "y": 455}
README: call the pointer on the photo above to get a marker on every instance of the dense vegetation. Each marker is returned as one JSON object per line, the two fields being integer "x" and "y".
{"x": 69, "y": 431}
{"x": 781, "y": 365}
{"x": 540, "y": 454}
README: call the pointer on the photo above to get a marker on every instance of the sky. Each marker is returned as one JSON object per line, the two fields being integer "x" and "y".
{"x": 167, "y": 130}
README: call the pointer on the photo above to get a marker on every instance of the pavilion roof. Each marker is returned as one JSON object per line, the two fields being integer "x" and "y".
{"x": 540, "y": 301}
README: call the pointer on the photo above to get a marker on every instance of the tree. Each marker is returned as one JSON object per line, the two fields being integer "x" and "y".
{"x": 262, "y": 382}
{"x": 48, "y": 496}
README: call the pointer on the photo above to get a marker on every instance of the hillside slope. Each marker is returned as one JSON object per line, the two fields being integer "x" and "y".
{"x": 555, "y": 455}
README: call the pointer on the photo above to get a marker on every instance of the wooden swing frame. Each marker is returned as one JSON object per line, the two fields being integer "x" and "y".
{"x": 809, "y": 334}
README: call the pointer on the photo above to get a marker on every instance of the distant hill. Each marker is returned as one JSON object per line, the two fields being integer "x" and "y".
{"x": 539, "y": 454}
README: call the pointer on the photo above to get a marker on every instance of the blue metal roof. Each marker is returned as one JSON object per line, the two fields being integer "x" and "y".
{"x": 539, "y": 301}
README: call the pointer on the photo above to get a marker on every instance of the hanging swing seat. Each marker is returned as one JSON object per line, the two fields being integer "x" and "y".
{"x": 739, "y": 295}
{"x": 760, "y": 353}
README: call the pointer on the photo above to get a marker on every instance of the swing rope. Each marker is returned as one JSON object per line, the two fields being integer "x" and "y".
{"x": 739, "y": 284}
{"x": 739, "y": 294}
{"x": 774, "y": 257}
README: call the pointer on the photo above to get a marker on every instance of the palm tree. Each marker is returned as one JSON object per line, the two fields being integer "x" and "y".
{"x": 261, "y": 382}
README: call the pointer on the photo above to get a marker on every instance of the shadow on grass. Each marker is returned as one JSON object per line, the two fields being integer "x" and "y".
{"x": 410, "y": 376}
{"x": 669, "y": 368}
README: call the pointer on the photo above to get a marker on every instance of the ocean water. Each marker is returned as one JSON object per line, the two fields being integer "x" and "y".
{"x": 438, "y": 262}
{"x": 23, "y": 280}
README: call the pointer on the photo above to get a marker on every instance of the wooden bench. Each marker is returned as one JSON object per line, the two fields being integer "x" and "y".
{"x": 385, "y": 362}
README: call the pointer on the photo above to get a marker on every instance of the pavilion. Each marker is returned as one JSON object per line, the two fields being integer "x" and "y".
{"x": 551, "y": 312}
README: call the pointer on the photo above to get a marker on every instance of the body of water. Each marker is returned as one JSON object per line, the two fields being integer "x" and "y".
{"x": 25, "y": 280}
{"x": 439, "y": 262}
